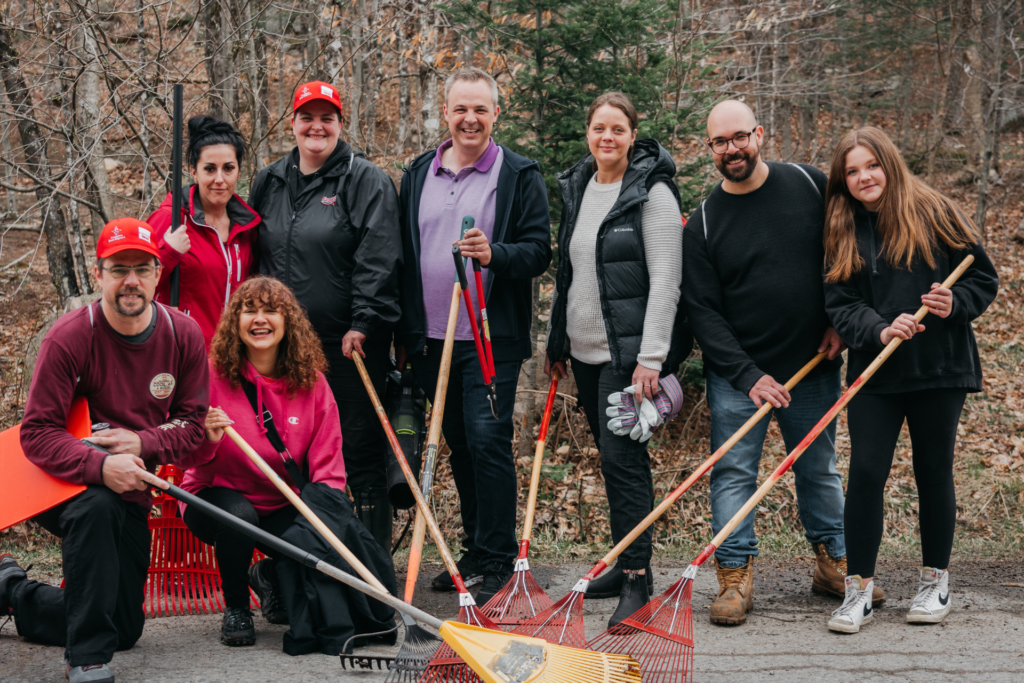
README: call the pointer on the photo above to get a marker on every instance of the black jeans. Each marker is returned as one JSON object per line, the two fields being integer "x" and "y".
{"x": 481, "y": 447}
{"x": 105, "y": 552}
{"x": 875, "y": 421}
{"x": 363, "y": 442}
{"x": 232, "y": 548}
{"x": 625, "y": 463}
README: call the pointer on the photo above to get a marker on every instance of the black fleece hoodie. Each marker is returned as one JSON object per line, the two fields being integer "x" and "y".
{"x": 945, "y": 355}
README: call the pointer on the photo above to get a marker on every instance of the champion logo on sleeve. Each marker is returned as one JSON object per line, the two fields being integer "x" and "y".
{"x": 329, "y": 201}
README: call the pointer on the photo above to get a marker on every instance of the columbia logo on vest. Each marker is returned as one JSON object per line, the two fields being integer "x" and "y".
{"x": 622, "y": 230}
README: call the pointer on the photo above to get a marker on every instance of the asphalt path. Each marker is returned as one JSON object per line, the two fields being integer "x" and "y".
{"x": 785, "y": 638}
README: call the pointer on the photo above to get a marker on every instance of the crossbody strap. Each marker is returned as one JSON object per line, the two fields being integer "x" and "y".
{"x": 274, "y": 437}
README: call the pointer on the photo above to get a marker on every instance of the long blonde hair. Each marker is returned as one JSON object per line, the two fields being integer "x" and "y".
{"x": 911, "y": 215}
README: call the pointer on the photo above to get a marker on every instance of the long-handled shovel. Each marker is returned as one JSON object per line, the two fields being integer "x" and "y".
{"x": 660, "y": 634}
{"x": 495, "y": 656}
{"x": 562, "y": 623}
{"x": 522, "y": 598}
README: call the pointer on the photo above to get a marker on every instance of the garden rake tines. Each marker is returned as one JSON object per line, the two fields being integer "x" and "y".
{"x": 660, "y": 634}
{"x": 562, "y": 623}
{"x": 522, "y": 598}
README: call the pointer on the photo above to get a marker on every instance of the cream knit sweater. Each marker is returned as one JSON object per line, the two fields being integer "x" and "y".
{"x": 663, "y": 248}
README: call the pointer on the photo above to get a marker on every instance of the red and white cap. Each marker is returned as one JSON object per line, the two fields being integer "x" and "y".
{"x": 316, "y": 90}
{"x": 122, "y": 234}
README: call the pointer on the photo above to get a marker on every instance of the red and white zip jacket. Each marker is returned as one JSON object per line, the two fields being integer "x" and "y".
{"x": 211, "y": 270}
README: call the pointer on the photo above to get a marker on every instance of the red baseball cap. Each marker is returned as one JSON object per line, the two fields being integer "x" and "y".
{"x": 126, "y": 233}
{"x": 316, "y": 90}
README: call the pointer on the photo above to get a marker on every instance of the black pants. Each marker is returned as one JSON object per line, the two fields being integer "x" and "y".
{"x": 481, "y": 448}
{"x": 363, "y": 442}
{"x": 875, "y": 421}
{"x": 232, "y": 548}
{"x": 625, "y": 463}
{"x": 105, "y": 551}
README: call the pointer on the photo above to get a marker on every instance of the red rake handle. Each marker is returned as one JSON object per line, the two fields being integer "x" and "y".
{"x": 765, "y": 408}
{"x": 818, "y": 428}
{"x": 538, "y": 459}
{"x": 483, "y": 315}
{"x": 460, "y": 269}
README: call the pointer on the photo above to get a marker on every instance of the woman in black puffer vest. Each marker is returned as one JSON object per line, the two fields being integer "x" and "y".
{"x": 616, "y": 316}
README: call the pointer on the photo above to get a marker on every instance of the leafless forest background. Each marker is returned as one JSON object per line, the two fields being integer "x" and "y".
{"x": 85, "y": 137}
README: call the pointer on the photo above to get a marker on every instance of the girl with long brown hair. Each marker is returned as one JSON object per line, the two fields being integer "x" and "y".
{"x": 264, "y": 343}
{"x": 888, "y": 238}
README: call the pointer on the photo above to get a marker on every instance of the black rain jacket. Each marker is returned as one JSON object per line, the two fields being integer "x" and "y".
{"x": 335, "y": 241}
{"x": 945, "y": 355}
{"x": 520, "y": 251}
{"x": 621, "y": 263}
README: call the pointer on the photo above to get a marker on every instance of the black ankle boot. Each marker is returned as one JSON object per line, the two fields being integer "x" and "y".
{"x": 237, "y": 627}
{"x": 609, "y": 584}
{"x": 633, "y": 596}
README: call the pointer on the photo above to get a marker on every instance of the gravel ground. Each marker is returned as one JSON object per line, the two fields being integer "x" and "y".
{"x": 785, "y": 638}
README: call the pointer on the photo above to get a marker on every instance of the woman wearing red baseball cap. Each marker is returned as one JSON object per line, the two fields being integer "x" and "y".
{"x": 215, "y": 244}
{"x": 330, "y": 232}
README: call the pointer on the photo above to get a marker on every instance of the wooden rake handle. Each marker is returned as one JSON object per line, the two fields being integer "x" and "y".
{"x": 851, "y": 391}
{"x": 538, "y": 459}
{"x": 335, "y": 542}
{"x": 765, "y": 408}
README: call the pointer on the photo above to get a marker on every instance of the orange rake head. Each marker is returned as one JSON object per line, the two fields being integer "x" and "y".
{"x": 659, "y": 635}
{"x": 447, "y": 666}
{"x": 520, "y": 599}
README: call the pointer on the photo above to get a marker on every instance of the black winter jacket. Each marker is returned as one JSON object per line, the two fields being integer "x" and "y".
{"x": 334, "y": 239}
{"x": 621, "y": 264}
{"x": 520, "y": 251}
{"x": 945, "y": 355}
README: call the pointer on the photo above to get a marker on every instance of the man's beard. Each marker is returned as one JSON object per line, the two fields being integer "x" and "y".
{"x": 743, "y": 173}
{"x": 124, "y": 311}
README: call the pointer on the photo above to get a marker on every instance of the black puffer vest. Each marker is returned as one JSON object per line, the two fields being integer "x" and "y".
{"x": 621, "y": 265}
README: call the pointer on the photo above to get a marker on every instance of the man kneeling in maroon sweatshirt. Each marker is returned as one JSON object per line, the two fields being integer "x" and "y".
{"x": 142, "y": 367}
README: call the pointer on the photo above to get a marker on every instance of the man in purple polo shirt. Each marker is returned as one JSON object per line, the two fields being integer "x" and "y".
{"x": 470, "y": 175}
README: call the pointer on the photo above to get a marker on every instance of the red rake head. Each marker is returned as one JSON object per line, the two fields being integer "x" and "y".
{"x": 562, "y": 623}
{"x": 519, "y": 600}
{"x": 659, "y": 635}
{"x": 447, "y": 666}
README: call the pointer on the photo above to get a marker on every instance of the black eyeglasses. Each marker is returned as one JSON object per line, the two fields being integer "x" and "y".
{"x": 739, "y": 141}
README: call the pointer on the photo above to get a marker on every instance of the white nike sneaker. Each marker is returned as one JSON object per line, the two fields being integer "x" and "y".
{"x": 931, "y": 604}
{"x": 856, "y": 610}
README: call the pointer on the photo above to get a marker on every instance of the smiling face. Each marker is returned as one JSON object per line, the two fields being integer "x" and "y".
{"x": 316, "y": 127}
{"x": 470, "y": 112}
{"x": 216, "y": 174}
{"x": 726, "y": 121}
{"x": 260, "y": 326}
{"x": 130, "y": 295}
{"x": 610, "y": 136}
{"x": 865, "y": 178}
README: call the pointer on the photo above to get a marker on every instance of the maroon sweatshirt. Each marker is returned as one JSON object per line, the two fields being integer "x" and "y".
{"x": 158, "y": 389}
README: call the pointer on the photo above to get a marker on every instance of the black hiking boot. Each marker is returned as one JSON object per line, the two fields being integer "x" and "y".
{"x": 469, "y": 568}
{"x": 237, "y": 628}
{"x": 633, "y": 596}
{"x": 609, "y": 584}
{"x": 263, "y": 581}
{"x": 495, "y": 578}
{"x": 10, "y": 573}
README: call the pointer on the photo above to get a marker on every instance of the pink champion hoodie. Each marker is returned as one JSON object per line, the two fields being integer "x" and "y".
{"x": 308, "y": 424}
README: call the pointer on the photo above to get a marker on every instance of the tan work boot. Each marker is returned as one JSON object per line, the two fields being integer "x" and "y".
{"x": 830, "y": 576}
{"x": 735, "y": 594}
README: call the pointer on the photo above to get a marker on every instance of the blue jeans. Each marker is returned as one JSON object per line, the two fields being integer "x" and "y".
{"x": 481, "y": 448}
{"x": 819, "y": 487}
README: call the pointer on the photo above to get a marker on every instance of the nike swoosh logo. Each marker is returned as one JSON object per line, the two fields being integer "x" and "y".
{"x": 867, "y": 609}
{"x": 944, "y": 599}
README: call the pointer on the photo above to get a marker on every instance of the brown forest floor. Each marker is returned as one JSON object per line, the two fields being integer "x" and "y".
{"x": 572, "y": 505}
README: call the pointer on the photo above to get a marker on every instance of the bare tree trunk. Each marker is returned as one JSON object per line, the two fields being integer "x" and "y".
{"x": 58, "y": 251}
{"x": 220, "y": 64}
{"x": 355, "y": 94}
{"x": 90, "y": 114}
{"x": 6, "y": 126}
{"x": 943, "y": 59}
{"x": 992, "y": 120}
{"x": 428, "y": 73}
{"x": 371, "y": 79}
{"x": 147, "y": 184}
{"x": 404, "y": 97}
{"x": 973, "y": 92}
{"x": 256, "y": 92}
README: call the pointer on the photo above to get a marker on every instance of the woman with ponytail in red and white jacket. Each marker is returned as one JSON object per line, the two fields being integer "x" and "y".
{"x": 216, "y": 243}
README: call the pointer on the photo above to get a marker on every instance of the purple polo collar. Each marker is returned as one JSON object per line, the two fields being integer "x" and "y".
{"x": 483, "y": 164}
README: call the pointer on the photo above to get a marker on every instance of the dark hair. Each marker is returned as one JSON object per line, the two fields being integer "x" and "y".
{"x": 617, "y": 100}
{"x": 204, "y": 131}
